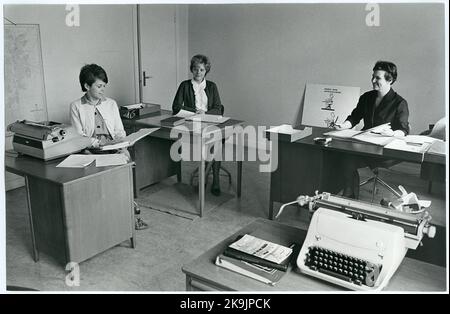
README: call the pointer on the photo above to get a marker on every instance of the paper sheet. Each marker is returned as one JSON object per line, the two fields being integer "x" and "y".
{"x": 184, "y": 114}
{"x": 347, "y": 133}
{"x": 77, "y": 161}
{"x": 210, "y": 118}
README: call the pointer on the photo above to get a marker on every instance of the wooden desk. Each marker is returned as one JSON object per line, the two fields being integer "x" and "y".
{"x": 76, "y": 213}
{"x": 152, "y": 154}
{"x": 203, "y": 274}
{"x": 304, "y": 167}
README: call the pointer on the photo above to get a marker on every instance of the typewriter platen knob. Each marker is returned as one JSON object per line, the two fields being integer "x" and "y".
{"x": 430, "y": 231}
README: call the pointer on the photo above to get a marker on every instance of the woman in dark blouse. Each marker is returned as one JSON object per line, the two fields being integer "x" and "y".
{"x": 379, "y": 106}
{"x": 200, "y": 96}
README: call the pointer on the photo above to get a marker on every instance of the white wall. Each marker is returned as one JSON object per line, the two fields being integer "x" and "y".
{"x": 105, "y": 37}
{"x": 262, "y": 55}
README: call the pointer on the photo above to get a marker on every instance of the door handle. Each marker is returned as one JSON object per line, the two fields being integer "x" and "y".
{"x": 145, "y": 78}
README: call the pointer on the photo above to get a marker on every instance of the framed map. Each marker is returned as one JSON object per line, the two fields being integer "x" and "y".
{"x": 24, "y": 74}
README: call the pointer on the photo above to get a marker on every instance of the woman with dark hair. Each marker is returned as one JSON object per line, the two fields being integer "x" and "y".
{"x": 200, "y": 96}
{"x": 376, "y": 107}
{"x": 97, "y": 116}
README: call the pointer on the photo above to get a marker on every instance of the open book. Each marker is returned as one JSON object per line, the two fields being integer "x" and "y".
{"x": 129, "y": 140}
{"x": 259, "y": 250}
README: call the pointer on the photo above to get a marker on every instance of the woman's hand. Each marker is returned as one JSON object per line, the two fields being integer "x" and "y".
{"x": 387, "y": 132}
{"x": 95, "y": 143}
{"x": 343, "y": 126}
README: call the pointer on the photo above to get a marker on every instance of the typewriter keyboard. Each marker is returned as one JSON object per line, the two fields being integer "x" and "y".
{"x": 342, "y": 266}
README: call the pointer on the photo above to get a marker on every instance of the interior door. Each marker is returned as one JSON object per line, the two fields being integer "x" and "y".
{"x": 158, "y": 54}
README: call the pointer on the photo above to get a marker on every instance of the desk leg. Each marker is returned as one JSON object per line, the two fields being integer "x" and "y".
{"x": 188, "y": 283}
{"x": 30, "y": 215}
{"x": 239, "y": 178}
{"x": 271, "y": 209}
{"x": 201, "y": 184}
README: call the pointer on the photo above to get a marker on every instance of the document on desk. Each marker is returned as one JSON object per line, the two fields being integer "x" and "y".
{"x": 373, "y": 138}
{"x": 76, "y": 161}
{"x": 129, "y": 140}
{"x": 209, "y": 118}
{"x": 184, "y": 113}
{"x": 342, "y": 134}
{"x": 110, "y": 160}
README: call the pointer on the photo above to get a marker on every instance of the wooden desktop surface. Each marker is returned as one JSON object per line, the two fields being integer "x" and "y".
{"x": 203, "y": 274}
{"x": 154, "y": 120}
{"x": 47, "y": 170}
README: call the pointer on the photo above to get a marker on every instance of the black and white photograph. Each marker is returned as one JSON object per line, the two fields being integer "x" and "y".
{"x": 210, "y": 148}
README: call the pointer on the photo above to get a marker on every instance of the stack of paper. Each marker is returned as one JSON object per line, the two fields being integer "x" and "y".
{"x": 285, "y": 132}
{"x": 110, "y": 160}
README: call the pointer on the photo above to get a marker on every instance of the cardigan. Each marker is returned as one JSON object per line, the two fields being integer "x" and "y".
{"x": 82, "y": 117}
{"x": 392, "y": 109}
{"x": 185, "y": 98}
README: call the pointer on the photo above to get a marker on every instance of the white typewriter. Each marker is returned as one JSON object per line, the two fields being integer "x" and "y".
{"x": 356, "y": 244}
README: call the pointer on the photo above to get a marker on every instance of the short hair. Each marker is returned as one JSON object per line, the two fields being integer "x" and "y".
{"x": 390, "y": 69}
{"x": 201, "y": 59}
{"x": 90, "y": 73}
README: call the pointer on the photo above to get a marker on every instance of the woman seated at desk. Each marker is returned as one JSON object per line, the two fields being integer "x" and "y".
{"x": 378, "y": 106}
{"x": 97, "y": 116}
{"x": 200, "y": 96}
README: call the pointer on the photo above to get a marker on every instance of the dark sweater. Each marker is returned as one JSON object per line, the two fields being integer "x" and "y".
{"x": 185, "y": 98}
{"x": 392, "y": 109}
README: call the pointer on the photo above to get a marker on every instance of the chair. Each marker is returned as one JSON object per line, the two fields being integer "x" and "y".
{"x": 376, "y": 179}
{"x": 209, "y": 164}
{"x": 427, "y": 171}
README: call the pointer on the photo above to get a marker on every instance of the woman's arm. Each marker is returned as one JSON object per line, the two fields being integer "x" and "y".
{"x": 75, "y": 120}
{"x": 179, "y": 101}
{"x": 216, "y": 106}
{"x": 402, "y": 116}
{"x": 119, "y": 131}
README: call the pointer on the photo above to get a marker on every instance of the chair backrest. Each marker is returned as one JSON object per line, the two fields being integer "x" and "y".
{"x": 438, "y": 130}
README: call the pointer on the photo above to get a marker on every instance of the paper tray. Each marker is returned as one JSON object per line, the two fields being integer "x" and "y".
{"x": 286, "y": 133}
